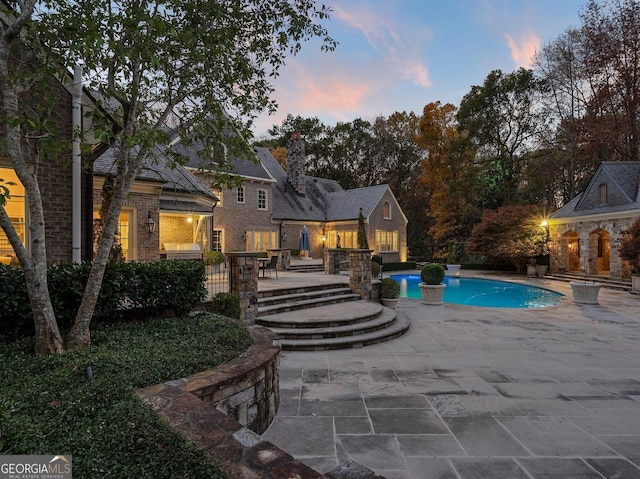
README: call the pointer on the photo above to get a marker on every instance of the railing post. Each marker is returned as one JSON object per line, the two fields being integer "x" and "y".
{"x": 243, "y": 282}
{"x": 331, "y": 261}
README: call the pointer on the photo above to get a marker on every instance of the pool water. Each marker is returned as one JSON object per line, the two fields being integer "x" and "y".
{"x": 483, "y": 292}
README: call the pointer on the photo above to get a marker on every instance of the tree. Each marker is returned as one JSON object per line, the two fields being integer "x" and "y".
{"x": 200, "y": 66}
{"x": 611, "y": 36}
{"x": 501, "y": 118}
{"x": 630, "y": 246}
{"x": 362, "y": 233}
{"x": 512, "y": 233}
{"x": 448, "y": 175}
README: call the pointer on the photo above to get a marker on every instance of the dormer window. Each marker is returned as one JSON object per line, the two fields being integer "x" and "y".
{"x": 603, "y": 194}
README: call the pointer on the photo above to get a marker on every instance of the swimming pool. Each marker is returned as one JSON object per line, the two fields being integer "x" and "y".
{"x": 483, "y": 292}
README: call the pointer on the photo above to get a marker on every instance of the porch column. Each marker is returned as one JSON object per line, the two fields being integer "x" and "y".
{"x": 243, "y": 282}
{"x": 360, "y": 272}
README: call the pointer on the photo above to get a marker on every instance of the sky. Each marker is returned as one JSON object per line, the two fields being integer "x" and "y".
{"x": 400, "y": 55}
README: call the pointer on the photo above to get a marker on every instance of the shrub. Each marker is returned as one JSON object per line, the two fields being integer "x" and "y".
{"x": 213, "y": 258}
{"x": 432, "y": 273}
{"x": 375, "y": 269}
{"x": 140, "y": 288}
{"x": 389, "y": 288}
{"x": 226, "y": 304}
{"x": 376, "y": 258}
{"x": 630, "y": 246}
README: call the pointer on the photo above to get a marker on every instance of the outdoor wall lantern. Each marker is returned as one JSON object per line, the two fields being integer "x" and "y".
{"x": 244, "y": 235}
{"x": 150, "y": 224}
{"x": 283, "y": 237}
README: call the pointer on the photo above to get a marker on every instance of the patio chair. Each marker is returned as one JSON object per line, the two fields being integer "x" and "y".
{"x": 270, "y": 266}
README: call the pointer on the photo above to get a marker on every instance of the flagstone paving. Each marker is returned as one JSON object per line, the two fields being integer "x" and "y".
{"x": 475, "y": 393}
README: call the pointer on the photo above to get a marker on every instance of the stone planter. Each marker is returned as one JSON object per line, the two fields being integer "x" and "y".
{"x": 453, "y": 270}
{"x": 541, "y": 270}
{"x": 390, "y": 302}
{"x": 532, "y": 271}
{"x": 432, "y": 293}
{"x": 585, "y": 292}
{"x": 635, "y": 284}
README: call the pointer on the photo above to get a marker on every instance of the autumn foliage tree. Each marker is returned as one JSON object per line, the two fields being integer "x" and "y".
{"x": 630, "y": 246}
{"x": 512, "y": 234}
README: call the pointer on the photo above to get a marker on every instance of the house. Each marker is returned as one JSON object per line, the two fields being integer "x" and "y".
{"x": 166, "y": 205}
{"x": 271, "y": 207}
{"x": 586, "y": 233}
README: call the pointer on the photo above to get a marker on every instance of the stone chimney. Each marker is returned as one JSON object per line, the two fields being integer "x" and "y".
{"x": 295, "y": 162}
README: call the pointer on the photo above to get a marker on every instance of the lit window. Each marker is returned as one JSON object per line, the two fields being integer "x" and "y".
{"x": 386, "y": 240}
{"x": 15, "y": 208}
{"x": 262, "y": 199}
{"x": 123, "y": 232}
{"x": 258, "y": 241}
{"x": 240, "y": 194}
{"x": 348, "y": 239}
{"x": 386, "y": 210}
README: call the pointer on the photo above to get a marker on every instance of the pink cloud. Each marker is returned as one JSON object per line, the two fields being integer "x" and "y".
{"x": 523, "y": 51}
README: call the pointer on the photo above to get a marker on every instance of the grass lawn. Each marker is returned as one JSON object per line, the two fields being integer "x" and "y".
{"x": 48, "y": 406}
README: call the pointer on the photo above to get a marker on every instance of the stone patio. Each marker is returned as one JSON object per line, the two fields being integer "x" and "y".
{"x": 474, "y": 392}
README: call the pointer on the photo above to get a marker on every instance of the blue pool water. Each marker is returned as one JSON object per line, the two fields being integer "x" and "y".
{"x": 483, "y": 292}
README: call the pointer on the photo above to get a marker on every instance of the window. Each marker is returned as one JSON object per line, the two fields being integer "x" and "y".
{"x": 348, "y": 239}
{"x": 123, "y": 233}
{"x": 386, "y": 240}
{"x": 603, "y": 194}
{"x": 218, "y": 193}
{"x": 262, "y": 199}
{"x": 240, "y": 194}
{"x": 16, "y": 210}
{"x": 261, "y": 240}
{"x": 216, "y": 240}
{"x": 386, "y": 210}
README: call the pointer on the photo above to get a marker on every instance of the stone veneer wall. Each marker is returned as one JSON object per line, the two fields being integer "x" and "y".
{"x": 245, "y": 389}
{"x": 360, "y": 274}
{"x": 243, "y": 282}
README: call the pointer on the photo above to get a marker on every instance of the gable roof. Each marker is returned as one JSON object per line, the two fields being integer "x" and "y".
{"x": 324, "y": 199}
{"x": 622, "y": 179}
{"x": 174, "y": 177}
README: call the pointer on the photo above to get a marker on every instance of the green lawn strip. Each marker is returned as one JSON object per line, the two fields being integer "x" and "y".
{"x": 47, "y": 405}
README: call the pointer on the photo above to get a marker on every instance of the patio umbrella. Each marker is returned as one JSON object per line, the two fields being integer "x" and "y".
{"x": 303, "y": 245}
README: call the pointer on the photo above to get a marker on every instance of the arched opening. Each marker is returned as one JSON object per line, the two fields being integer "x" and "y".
{"x": 599, "y": 252}
{"x": 570, "y": 251}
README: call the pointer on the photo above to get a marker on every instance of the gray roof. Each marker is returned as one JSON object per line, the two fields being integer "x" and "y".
{"x": 324, "y": 199}
{"x": 623, "y": 176}
{"x": 159, "y": 169}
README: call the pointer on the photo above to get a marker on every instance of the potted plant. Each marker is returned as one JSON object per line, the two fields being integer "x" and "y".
{"x": 630, "y": 251}
{"x": 432, "y": 287}
{"x": 532, "y": 271}
{"x": 214, "y": 259}
{"x": 585, "y": 292}
{"x": 453, "y": 261}
{"x": 389, "y": 292}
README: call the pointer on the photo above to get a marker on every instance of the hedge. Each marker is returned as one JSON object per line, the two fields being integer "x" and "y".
{"x": 127, "y": 289}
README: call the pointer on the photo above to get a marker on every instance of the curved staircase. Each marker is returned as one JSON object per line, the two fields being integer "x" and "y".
{"x": 326, "y": 316}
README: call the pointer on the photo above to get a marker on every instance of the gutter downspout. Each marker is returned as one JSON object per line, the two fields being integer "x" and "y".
{"x": 76, "y": 210}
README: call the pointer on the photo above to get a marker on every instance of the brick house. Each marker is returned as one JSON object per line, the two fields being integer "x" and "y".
{"x": 271, "y": 207}
{"x": 585, "y": 234}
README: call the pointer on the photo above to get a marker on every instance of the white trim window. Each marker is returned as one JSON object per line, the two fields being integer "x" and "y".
{"x": 262, "y": 200}
{"x": 386, "y": 241}
{"x": 16, "y": 208}
{"x": 348, "y": 239}
{"x": 258, "y": 241}
{"x": 240, "y": 195}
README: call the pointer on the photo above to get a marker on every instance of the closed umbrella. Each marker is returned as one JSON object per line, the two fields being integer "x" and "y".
{"x": 304, "y": 240}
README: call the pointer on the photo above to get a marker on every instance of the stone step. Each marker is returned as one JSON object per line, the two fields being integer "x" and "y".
{"x": 606, "y": 281}
{"x": 306, "y": 268}
{"x": 332, "y": 315}
{"x": 298, "y": 304}
{"x": 289, "y": 296}
{"x": 385, "y": 319}
{"x": 397, "y": 329}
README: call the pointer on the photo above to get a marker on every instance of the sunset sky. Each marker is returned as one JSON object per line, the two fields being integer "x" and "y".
{"x": 399, "y": 55}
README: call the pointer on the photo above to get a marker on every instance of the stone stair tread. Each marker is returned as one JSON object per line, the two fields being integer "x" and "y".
{"x": 308, "y": 294}
{"x": 385, "y": 316}
{"x": 306, "y": 303}
{"x": 606, "y": 281}
{"x": 399, "y": 327}
{"x": 327, "y": 314}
